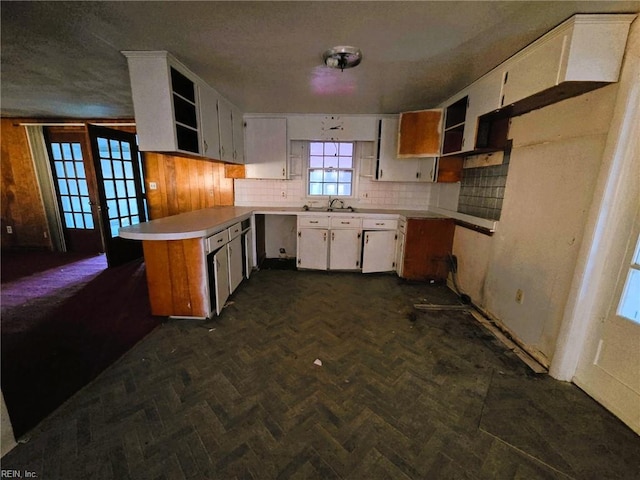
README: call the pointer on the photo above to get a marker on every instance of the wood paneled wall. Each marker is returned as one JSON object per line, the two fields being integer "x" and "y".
{"x": 21, "y": 203}
{"x": 185, "y": 184}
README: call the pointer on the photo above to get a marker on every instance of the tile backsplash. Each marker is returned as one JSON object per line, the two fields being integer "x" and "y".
{"x": 482, "y": 191}
{"x": 370, "y": 194}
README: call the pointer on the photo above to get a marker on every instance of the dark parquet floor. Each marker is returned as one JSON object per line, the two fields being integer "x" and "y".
{"x": 400, "y": 394}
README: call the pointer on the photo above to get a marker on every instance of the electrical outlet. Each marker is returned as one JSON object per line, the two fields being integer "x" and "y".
{"x": 9, "y": 229}
{"x": 153, "y": 186}
{"x": 519, "y": 296}
{"x": 283, "y": 194}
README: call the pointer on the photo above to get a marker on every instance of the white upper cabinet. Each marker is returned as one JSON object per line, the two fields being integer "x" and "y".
{"x": 225, "y": 117}
{"x": 176, "y": 111}
{"x": 266, "y": 148}
{"x": 483, "y": 97}
{"x": 165, "y": 103}
{"x": 332, "y": 127}
{"x": 582, "y": 54}
{"x": 587, "y": 49}
{"x": 209, "y": 124}
{"x": 390, "y": 168}
{"x": 237, "y": 126}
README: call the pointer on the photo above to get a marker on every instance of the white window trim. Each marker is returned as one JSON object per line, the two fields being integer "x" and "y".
{"x": 354, "y": 179}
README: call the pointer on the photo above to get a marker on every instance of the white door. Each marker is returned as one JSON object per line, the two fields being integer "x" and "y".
{"x": 313, "y": 248}
{"x": 234, "y": 248}
{"x": 221, "y": 278}
{"x": 378, "y": 251}
{"x": 612, "y": 374}
{"x": 344, "y": 251}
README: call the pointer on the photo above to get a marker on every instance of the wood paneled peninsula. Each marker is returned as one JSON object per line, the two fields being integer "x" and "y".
{"x": 195, "y": 260}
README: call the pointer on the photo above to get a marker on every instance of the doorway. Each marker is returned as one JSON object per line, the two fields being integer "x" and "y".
{"x": 76, "y": 190}
{"x": 98, "y": 178}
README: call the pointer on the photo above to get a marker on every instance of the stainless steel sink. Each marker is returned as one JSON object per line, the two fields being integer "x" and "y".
{"x": 306, "y": 208}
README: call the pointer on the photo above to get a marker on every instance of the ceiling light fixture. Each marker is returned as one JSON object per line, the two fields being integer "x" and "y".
{"x": 342, "y": 57}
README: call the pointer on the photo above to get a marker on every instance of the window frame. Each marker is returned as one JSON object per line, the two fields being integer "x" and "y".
{"x": 308, "y": 168}
{"x": 627, "y": 292}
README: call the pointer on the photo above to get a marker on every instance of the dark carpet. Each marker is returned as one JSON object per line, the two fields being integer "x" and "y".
{"x": 16, "y": 264}
{"x": 78, "y": 320}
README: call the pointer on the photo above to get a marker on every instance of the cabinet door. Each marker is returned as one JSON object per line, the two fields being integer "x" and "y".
{"x": 221, "y": 278}
{"x": 152, "y": 100}
{"x": 378, "y": 251}
{"x": 209, "y": 123}
{"x": 428, "y": 244}
{"x": 225, "y": 119}
{"x": 390, "y": 167}
{"x": 427, "y": 170}
{"x": 400, "y": 254}
{"x": 247, "y": 238}
{"x": 234, "y": 249}
{"x": 266, "y": 148}
{"x": 238, "y": 135}
{"x": 313, "y": 248}
{"x": 344, "y": 253}
{"x": 420, "y": 134}
{"x": 544, "y": 60}
{"x": 484, "y": 97}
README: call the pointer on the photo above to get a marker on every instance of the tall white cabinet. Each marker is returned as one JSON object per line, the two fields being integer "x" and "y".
{"x": 266, "y": 148}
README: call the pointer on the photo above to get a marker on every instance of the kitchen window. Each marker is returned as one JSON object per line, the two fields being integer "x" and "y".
{"x": 331, "y": 169}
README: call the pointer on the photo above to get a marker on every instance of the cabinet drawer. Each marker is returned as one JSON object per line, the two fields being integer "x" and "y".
{"x": 379, "y": 224}
{"x": 313, "y": 221}
{"x": 214, "y": 242}
{"x": 234, "y": 230}
{"x": 342, "y": 222}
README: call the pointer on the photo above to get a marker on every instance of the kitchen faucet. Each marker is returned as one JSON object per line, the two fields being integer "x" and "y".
{"x": 334, "y": 200}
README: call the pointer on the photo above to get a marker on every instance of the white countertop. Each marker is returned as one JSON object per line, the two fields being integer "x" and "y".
{"x": 207, "y": 221}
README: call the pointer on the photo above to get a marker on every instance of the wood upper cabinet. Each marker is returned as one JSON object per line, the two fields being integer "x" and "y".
{"x": 428, "y": 242}
{"x": 419, "y": 133}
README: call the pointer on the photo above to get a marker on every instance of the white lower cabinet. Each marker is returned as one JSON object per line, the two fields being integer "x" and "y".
{"x": 378, "y": 251}
{"x": 345, "y": 249}
{"x": 342, "y": 242}
{"x": 313, "y": 248}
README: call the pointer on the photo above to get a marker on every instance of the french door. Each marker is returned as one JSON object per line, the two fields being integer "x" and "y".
{"x": 120, "y": 189}
{"x": 76, "y": 190}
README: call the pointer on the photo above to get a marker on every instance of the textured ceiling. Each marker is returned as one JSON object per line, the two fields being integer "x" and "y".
{"x": 62, "y": 59}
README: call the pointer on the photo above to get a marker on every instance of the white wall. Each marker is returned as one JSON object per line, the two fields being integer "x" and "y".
{"x": 555, "y": 162}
